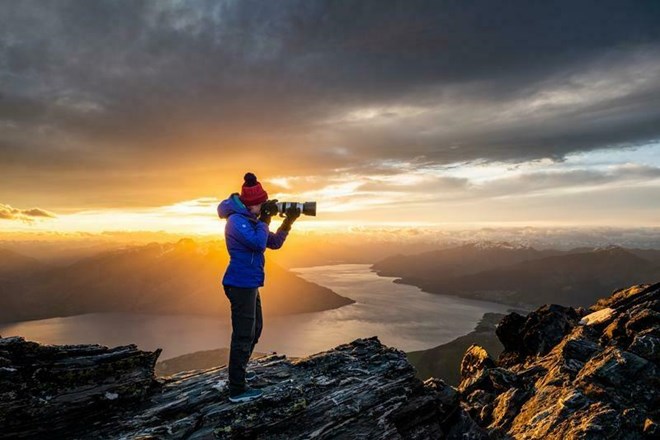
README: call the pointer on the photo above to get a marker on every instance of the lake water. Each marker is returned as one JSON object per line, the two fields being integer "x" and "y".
{"x": 400, "y": 315}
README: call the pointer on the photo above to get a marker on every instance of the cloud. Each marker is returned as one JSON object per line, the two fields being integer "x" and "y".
{"x": 121, "y": 98}
{"x": 425, "y": 186}
{"x": 7, "y": 212}
{"x": 535, "y": 184}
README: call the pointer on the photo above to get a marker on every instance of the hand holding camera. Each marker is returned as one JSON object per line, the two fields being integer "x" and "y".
{"x": 268, "y": 210}
{"x": 292, "y": 213}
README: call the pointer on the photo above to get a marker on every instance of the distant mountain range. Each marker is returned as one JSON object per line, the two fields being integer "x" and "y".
{"x": 524, "y": 276}
{"x": 14, "y": 263}
{"x": 181, "y": 277}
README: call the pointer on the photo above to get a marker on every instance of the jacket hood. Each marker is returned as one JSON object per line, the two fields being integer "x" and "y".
{"x": 233, "y": 205}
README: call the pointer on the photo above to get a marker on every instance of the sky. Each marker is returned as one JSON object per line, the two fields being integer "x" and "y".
{"x": 143, "y": 115}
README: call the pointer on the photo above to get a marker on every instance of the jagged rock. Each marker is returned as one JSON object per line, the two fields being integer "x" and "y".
{"x": 569, "y": 378}
{"x": 564, "y": 374}
{"x": 599, "y": 317}
{"x": 508, "y": 331}
{"x": 474, "y": 369}
{"x": 505, "y": 408}
{"x": 580, "y": 348}
{"x": 46, "y": 389}
{"x": 457, "y": 424}
{"x": 647, "y": 345}
{"x": 536, "y": 334}
{"x": 361, "y": 389}
{"x": 625, "y": 297}
{"x": 651, "y": 428}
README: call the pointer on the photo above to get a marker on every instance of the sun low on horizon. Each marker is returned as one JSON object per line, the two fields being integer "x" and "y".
{"x": 371, "y": 218}
{"x": 384, "y": 120}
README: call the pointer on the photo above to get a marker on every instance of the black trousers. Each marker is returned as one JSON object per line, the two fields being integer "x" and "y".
{"x": 246, "y": 324}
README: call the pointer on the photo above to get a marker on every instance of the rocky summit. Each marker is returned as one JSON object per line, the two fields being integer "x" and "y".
{"x": 564, "y": 373}
{"x": 358, "y": 390}
{"x": 571, "y": 374}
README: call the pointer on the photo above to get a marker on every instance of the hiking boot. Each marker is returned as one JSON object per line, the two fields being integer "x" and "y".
{"x": 246, "y": 396}
{"x": 250, "y": 375}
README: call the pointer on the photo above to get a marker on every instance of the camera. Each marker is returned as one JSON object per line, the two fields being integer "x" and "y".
{"x": 307, "y": 208}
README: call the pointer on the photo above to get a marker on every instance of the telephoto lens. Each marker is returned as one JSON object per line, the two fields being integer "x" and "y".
{"x": 306, "y": 208}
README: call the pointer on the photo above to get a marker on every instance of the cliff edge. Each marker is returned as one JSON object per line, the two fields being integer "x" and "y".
{"x": 564, "y": 373}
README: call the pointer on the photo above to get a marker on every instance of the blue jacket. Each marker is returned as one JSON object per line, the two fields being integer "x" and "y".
{"x": 247, "y": 239}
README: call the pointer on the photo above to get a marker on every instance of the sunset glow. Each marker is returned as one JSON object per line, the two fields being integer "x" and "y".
{"x": 414, "y": 143}
{"x": 352, "y": 210}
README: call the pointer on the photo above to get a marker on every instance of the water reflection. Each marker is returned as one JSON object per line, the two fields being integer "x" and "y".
{"x": 401, "y": 316}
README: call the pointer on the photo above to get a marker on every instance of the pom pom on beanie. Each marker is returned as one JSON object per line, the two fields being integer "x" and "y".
{"x": 250, "y": 179}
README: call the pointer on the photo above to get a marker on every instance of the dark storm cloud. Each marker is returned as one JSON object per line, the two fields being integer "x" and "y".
{"x": 318, "y": 85}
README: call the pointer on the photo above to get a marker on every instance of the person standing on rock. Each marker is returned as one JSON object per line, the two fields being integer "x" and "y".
{"x": 247, "y": 236}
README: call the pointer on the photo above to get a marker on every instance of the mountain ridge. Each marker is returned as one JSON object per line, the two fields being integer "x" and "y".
{"x": 181, "y": 277}
{"x": 524, "y": 277}
{"x": 564, "y": 373}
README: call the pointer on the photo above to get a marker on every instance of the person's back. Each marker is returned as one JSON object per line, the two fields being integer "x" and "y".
{"x": 247, "y": 237}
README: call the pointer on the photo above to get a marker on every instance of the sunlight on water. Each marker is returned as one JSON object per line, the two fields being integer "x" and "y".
{"x": 401, "y": 316}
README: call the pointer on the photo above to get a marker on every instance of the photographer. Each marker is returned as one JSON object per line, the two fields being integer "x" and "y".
{"x": 247, "y": 236}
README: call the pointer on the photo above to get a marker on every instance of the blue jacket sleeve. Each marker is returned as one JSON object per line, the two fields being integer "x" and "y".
{"x": 253, "y": 236}
{"x": 276, "y": 240}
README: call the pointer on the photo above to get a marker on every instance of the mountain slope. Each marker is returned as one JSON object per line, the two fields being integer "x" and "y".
{"x": 457, "y": 261}
{"x": 574, "y": 278}
{"x": 13, "y": 264}
{"x": 182, "y": 277}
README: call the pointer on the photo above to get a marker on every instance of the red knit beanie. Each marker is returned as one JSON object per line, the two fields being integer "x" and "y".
{"x": 252, "y": 193}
